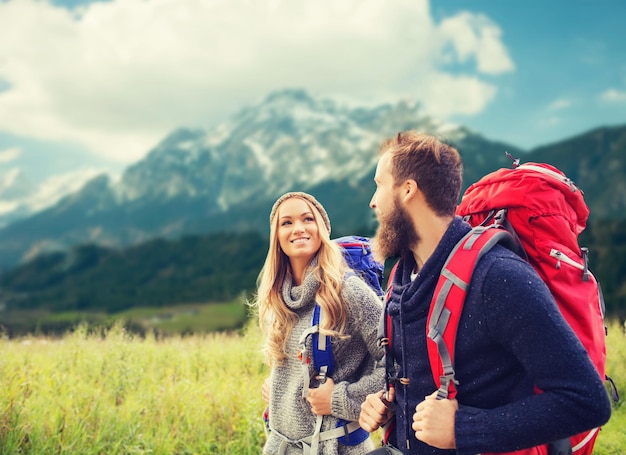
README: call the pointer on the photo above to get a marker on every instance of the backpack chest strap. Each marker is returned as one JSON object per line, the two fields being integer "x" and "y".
{"x": 309, "y": 443}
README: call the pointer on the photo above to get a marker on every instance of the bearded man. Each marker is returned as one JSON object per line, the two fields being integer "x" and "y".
{"x": 511, "y": 336}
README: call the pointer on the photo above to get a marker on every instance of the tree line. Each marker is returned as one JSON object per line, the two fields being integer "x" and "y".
{"x": 213, "y": 268}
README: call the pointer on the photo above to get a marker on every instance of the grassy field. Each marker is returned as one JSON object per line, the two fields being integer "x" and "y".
{"x": 115, "y": 393}
{"x": 175, "y": 319}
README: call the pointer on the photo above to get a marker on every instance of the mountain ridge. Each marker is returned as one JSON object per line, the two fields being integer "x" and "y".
{"x": 201, "y": 181}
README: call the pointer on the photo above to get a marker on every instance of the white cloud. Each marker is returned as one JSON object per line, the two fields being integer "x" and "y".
{"x": 19, "y": 193}
{"x": 7, "y": 207}
{"x": 8, "y": 179}
{"x": 560, "y": 104}
{"x": 475, "y": 36}
{"x": 457, "y": 94}
{"x": 10, "y": 154}
{"x": 613, "y": 96}
{"x": 553, "y": 121}
{"x": 52, "y": 189}
{"x": 116, "y": 77}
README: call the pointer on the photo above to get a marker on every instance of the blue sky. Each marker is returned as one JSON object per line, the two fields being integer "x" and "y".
{"x": 90, "y": 86}
{"x": 570, "y": 68}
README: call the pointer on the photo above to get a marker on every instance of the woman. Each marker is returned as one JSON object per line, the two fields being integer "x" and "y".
{"x": 303, "y": 266}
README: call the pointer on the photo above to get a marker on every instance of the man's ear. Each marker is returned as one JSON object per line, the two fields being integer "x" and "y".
{"x": 409, "y": 190}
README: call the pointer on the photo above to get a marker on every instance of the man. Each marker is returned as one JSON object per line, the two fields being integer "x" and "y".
{"x": 511, "y": 335}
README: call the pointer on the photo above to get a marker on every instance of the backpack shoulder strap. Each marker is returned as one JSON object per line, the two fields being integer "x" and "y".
{"x": 448, "y": 299}
{"x": 385, "y": 332}
{"x": 385, "y": 337}
{"x": 321, "y": 349}
{"x": 321, "y": 345}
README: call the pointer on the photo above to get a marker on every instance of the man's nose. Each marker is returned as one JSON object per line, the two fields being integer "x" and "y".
{"x": 373, "y": 202}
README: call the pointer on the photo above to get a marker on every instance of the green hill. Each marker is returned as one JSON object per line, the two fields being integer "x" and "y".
{"x": 158, "y": 273}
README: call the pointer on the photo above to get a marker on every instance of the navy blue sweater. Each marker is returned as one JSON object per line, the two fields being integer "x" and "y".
{"x": 511, "y": 336}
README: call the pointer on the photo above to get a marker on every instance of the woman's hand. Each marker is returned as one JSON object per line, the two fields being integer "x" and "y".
{"x": 320, "y": 398}
{"x": 265, "y": 390}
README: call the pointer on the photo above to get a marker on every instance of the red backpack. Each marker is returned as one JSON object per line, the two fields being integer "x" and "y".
{"x": 545, "y": 212}
{"x": 535, "y": 210}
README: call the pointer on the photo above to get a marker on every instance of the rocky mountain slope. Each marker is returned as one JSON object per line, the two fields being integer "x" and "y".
{"x": 226, "y": 179}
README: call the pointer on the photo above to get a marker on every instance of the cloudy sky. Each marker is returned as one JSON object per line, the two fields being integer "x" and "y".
{"x": 90, "y": 85}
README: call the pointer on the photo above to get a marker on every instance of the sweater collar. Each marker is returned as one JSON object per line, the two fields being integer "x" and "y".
{"x": 302, "y": 296}
{"x": 423, "y": 286}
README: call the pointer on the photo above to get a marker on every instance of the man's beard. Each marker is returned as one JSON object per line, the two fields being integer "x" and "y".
{"x": 396, "y": 234}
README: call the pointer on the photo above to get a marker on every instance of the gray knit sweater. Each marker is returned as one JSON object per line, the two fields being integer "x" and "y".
{"x": 357, "y": 370}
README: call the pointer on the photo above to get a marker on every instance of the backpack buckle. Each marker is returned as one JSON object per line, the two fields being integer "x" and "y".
{"x": 323, "y": 374}
{"x": 444, "y": 381}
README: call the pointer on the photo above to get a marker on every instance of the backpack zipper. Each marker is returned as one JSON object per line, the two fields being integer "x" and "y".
{"x": 562, "y": 257}
{"x": 561, "y": 178}
{"x": 355, "y": 245}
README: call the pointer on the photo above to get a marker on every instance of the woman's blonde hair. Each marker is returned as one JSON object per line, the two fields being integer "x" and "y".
{"x": 275, "y": 318}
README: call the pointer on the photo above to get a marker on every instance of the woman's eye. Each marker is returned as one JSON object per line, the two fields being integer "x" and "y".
{"x": 309, "y": 219}
{"x": 285, "y": 223}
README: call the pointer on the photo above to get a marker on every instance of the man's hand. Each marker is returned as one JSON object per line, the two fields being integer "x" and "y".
{"x": 320, "y": 398}
{"x": 433, "y": 422}
{"x": 376, "y": 410}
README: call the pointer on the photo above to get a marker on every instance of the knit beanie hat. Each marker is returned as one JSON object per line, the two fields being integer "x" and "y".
{"x": 307, "y": 197}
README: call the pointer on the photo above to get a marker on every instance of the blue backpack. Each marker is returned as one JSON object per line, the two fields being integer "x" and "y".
{"x": 357, "y": 252}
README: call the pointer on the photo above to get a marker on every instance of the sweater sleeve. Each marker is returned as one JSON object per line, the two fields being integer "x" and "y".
{"x": 364, "y": 314}
{"x": 522, "y": 317}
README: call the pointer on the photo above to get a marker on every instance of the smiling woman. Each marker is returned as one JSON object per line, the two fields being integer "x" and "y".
{"x": 305, "y": 274}
{"x": 298, "y": 235}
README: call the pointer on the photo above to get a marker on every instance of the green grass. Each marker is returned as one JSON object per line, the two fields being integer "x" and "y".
{"x": 119, "y": 394}
{"x": 612, "y": 439}
{"x": 172, "y": 320}
{"x": 188, "y": 319}
{"x": 111, "y": 392}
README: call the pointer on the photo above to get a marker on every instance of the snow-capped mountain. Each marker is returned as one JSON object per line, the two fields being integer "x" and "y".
{"x": 288, "y": 140}
{"x": 15, "y": 190}
{"x": 21, "y": 196}
{"x": 227, "y": 177}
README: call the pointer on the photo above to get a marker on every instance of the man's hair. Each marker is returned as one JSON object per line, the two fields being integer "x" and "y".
{"x": 435, "y": 166}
